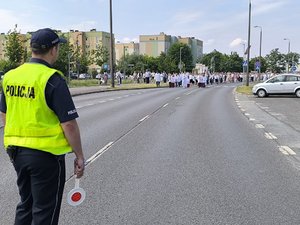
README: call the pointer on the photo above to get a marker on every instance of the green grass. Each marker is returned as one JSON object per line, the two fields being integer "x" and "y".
{"x": 245, "y": 89}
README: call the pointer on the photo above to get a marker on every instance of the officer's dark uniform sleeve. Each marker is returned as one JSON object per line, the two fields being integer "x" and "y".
{"x": 59, "y": 99}
{"x": 3, "y": 103}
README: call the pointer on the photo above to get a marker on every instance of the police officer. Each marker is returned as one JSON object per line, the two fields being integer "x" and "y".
{"x": 40, "y": 128}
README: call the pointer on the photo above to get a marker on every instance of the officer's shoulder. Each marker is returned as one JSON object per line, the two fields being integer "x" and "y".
{"x": 56, "y": 79}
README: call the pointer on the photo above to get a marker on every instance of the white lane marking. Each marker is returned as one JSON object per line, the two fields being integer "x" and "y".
{"x": 177, "y": 98}
{"x": 97, "y": 154}
{"x": 89, "y": 104}
{"x": 146, "y": 117}
{"x": 243, "y": 110}
{"x": 260, "y": 126}
{"x": 283, "y": 151}
{"x": 251, "y": 119}
{"x": 111, "y": 99}
{"x": 101, "y": 101}
{"x": 247, "y": 114}
{"x": 270, "y": 136}
{"x": 276, "y": 114}
{"x": 165, "y": 105}
{"x": 119, "y": 97}
{"x": 79, "y": 107}
{"x": 125, "y": 96}
{"x": 287, "y": 149}
{"x": 188, "y": 93}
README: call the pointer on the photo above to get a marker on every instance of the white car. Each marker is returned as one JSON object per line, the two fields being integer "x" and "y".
{"x": 279, "y": 84}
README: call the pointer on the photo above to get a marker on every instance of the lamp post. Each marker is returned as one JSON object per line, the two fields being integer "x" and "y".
{"x": 180, "y": 64}
{"x": 260, "y": 44}
{"x": 111, "y": 46}
{"x": 124, "y": 54}
{"x": 248, "y": 48}
{"x": 289, "y": 49}
{"x": 77, "y": 60}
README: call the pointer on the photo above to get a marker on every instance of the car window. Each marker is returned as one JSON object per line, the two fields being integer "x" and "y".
{"x": 276, "y": 79}
{"x": 291, "y": 78}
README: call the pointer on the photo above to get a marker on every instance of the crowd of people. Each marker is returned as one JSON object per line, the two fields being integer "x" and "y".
{"x": 186, "y": 79}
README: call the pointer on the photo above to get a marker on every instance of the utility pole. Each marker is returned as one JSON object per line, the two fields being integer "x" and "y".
{"x": 248, "y": 48}
{"x": 112, "y": 74}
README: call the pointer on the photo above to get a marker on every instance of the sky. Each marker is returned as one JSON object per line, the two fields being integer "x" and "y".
{"x": 220, "y": 24}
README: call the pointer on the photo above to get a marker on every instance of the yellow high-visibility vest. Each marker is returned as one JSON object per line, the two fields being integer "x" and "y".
{"x": 29, "y": 120}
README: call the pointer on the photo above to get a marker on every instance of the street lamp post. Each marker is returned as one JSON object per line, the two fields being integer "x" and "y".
{"x": 260, "y": 44}
{"x": 77, "y": 58}
{"x": 248, "y": 48}
{"x": 180, "y": 63}
{"x": 111, "y": 47}
{"x": 289, "y": 49}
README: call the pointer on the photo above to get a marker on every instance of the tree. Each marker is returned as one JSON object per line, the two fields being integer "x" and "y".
{"x": 14, "y": 49}
{"x": 214, "y": 61}
{"x": 100, "y": 55}
{"x": 275, "y": 61}
{"x": 62, "y": 62}
{"x": 186, "y": 56}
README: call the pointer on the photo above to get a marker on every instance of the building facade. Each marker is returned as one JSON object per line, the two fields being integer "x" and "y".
{"x": 123, "y": 49}
{"x": 154, "y": 45}
{"x": 195, "y": 45}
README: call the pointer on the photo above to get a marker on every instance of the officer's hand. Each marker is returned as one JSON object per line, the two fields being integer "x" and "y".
{"x": 79, "y": 167}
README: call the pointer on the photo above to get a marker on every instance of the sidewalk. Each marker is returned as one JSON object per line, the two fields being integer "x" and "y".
{"x": 75, "y": 91}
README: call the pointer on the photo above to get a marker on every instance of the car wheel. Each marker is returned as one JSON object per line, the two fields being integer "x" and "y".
{"x": 298, "y": 93}
{"x": 261, "y": 93}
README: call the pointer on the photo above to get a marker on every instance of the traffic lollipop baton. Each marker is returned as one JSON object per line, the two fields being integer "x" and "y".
{"x": 77, "y": 195}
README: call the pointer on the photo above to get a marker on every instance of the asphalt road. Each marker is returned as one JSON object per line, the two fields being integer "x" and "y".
{"x": 180, "y": 156}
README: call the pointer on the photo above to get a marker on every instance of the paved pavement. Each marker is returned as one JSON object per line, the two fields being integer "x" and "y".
{"x": 274, "y": 121}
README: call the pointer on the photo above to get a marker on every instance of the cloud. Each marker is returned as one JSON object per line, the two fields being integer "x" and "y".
{"x": 186, "y": 17}
{"x": 236, "y": 42}
{"x": 83, "y": 26}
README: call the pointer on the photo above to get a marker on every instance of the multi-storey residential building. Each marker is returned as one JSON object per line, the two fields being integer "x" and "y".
{"x": 123, "y": 49}
{"x": 195, "y": 45}
{"x": 154, "y": 45}
{"x": 85, "y": 42}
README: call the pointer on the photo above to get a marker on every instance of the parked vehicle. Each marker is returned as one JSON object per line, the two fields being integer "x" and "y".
{"x": 279, "y": 84}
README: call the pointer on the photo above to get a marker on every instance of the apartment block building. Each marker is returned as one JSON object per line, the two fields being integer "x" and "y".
{"x": 123, "y": 49}
{"x": 154, "y": 45}
{"x": 195, "y": 45}
{"x": 85, "y": 42}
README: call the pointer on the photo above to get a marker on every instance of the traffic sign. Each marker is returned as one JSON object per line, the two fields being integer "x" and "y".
{"x": 77, "y": 195}
{"x": 294, "y": 68}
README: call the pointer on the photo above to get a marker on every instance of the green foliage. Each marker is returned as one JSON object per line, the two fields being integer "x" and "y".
{"x": 62, "y": 62}
{"x": 14, "y": 49}
{"x": 100, "y": 55}
{"x": 275, "y": 61}
{"x": 186, "y": 56}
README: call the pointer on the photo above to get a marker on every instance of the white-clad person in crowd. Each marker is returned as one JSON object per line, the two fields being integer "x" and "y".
{"x": 157, "y": 78}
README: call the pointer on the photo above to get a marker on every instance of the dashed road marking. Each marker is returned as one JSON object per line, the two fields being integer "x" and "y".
{"x": 165, "y": 105}
{"x": 146, "y": 117}
{"x": 251, "y": 119}
{"x": 286, "y": 149}
{"x": 177, "y": 98}
{"x": 98, "y": 153}
{"x": 260, "y": 126}
{"x": 247, "y": 114}
{"x": 270, "y": 136}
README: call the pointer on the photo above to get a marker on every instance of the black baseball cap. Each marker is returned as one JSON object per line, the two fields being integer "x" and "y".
{"x": 45, "y": 39}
